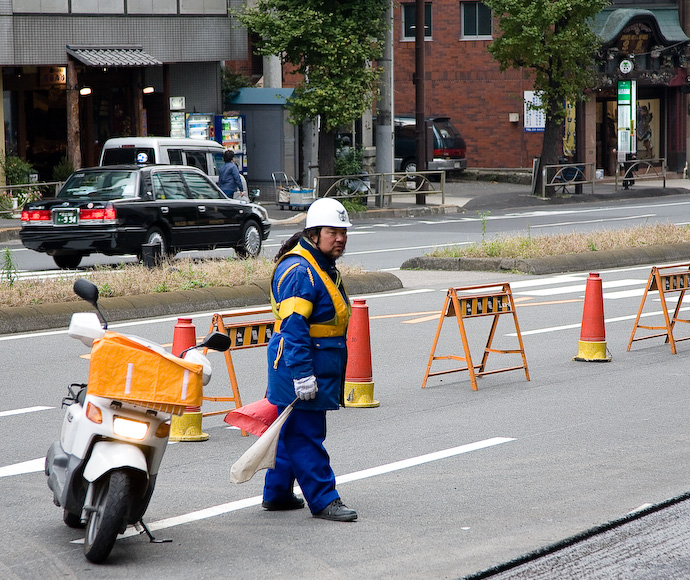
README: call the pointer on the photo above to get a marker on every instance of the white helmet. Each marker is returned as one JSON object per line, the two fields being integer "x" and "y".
{"x": 327, "y": 212}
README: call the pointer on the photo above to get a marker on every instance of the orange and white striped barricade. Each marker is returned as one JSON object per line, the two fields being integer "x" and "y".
{"x": 664, "y": 280}
{"x": 493, "y": 300}
{"x": 243, "y": 334}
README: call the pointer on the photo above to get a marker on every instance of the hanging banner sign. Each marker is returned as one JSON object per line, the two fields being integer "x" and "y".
{"x": 627, "y": 105}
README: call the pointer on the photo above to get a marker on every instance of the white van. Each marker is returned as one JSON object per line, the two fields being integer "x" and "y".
{"x": 202, "y": 153}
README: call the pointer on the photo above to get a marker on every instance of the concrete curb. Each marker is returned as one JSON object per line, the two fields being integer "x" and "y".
{"x": 49, "y": 316}
{"x": 555, "y": 264}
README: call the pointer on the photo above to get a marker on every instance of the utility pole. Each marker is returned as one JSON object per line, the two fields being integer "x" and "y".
{"x": 385, "y": 108}
{"x": 420, "y": 105}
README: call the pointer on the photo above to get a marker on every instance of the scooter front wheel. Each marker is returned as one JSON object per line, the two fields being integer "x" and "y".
{"x": 108, "y": 515}
{"x": 72, "y": 520}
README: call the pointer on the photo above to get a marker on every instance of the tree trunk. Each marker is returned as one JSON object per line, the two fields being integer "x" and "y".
{"x": 326, "y": 158}
{"x": 551, "y": 147}
{"x": 73, "y": 130}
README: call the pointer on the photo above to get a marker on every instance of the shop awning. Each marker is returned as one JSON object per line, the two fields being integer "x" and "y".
{"x": 608, "y": 24}
{"x": 112, "y": 56}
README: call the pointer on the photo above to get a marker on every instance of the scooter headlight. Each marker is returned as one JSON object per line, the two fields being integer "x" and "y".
{"x": 131, "y": 429}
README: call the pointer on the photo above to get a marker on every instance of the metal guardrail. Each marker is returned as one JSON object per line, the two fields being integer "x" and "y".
{"x": 640, "y": 170}
{"x": 382, "y": 186}
{"x": 564, "y": 176}
{"x": 13, "y": 197}
{"x": 38, "y": 185}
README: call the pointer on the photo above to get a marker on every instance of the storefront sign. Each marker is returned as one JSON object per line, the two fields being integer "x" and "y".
{"x": 53, "y": 75}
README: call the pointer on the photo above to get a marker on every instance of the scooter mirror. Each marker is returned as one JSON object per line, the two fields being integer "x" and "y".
{"x": 86, "y": 291}
{"x": 89, "y": 291}
{"x": 216, "y": 341}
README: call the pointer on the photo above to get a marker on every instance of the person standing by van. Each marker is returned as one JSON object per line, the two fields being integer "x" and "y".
{"x": 229, "y": 176}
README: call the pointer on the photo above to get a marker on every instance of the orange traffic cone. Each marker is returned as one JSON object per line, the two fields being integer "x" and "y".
{"x": 359, "y": 386}
{"x": 186, "y": 427}
{"x": 592, "y": 346}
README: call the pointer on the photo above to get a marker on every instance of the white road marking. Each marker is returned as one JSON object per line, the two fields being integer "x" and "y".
{"x": 606, "y": 321}
{"x": 24, "y": 410}
{"x": 31, "y": 466}
{"x": 581, "y": 288}
{"x": 384, "y": 250}
{"x": 355, "y": 476}
{"x": 597, "y": 221}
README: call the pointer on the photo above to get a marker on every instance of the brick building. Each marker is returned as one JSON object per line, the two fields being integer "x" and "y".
{"x": 487, "y": 105}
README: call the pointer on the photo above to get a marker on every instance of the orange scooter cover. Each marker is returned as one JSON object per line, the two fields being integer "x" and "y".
{"x": 125, "y": 370}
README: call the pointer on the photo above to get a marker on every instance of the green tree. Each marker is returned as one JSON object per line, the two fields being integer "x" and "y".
{"x": 332, "y": 44}
{"x": 230, "y": 84}
{"x": 554, "y": 39}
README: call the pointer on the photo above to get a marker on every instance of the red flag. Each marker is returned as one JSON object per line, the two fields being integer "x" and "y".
{"x": 254, "y": 418}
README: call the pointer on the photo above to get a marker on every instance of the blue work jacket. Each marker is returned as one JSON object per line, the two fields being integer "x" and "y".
{"x": 312, "y": 311}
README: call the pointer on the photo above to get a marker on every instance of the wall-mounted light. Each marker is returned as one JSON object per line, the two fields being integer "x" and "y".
{"x": 85, "y": 91}
{"x": 514, "y": 117}
{"x": 148, "y": 90}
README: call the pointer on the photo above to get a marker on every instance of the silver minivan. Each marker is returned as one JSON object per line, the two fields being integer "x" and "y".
{"x": 205, "y": 154}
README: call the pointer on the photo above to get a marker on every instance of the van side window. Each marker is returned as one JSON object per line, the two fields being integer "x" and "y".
{"x": 217, "y": 162}
{"x": 406, "y": 132}
{"x": 196, "y": 159}
{"x": 175, "y": 157}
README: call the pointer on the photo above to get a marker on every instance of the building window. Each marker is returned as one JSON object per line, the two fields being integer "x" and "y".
{"x": 476, "y": 21}
{"x": 410, "y": 19}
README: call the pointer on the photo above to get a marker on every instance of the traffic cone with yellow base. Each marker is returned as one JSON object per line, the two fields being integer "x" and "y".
{"x": 186, "y": 427}
{"x": 359, "y": 386}
{"x": 592, "y": 345}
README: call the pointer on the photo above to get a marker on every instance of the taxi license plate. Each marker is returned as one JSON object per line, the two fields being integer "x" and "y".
{"x": 66, "y": 217}
{"x": 457, "y": 165}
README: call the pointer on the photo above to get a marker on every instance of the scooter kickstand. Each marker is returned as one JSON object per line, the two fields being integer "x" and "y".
{"x": 145, "y": 529}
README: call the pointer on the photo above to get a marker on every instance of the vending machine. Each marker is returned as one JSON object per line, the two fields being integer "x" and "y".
{"x": 200, "y": 125}
{"x": 230, "y": 133}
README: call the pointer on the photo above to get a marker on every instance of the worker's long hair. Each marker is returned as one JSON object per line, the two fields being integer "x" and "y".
{"x": 293, "y": 240}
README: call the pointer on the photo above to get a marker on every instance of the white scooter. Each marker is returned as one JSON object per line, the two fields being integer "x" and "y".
{"x": 103, "y": 469}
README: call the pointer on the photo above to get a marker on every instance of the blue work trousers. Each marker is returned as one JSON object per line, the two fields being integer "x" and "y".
{"x": 301, "y": 455}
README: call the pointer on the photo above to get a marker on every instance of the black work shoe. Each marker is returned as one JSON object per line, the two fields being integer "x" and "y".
{"x": 293, "y": 503}
{"x": 337, "y": 511}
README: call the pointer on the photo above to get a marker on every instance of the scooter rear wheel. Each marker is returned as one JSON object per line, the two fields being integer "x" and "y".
{"x": 110, "y": 509}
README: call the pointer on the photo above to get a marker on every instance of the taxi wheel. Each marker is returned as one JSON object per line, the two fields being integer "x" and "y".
{"x": 67, "y": 261}
{"x": 250, "y": 241}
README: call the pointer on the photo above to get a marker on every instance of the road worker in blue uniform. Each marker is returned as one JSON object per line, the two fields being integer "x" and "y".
{"x": 307, "y": 355}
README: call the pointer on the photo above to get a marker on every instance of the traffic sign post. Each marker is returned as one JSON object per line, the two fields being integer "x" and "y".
{"x": 477, "y": 301}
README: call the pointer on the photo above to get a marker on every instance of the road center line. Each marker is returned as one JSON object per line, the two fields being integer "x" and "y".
{"x": 355, "y": 476}
{"x": 24, "y": 410}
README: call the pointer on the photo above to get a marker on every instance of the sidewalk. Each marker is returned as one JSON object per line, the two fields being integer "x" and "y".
{"x": 480, "y": 196}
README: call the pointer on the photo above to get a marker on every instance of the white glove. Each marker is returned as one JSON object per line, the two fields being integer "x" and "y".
{"x": 306, "y": 388}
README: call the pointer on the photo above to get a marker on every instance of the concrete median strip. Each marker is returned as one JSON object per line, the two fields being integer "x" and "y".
{"x": 48, "y": 316}
{"x": 561, "y": 263}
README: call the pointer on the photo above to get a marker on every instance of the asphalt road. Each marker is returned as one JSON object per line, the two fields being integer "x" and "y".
{"x": 447, "y": 481}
